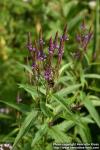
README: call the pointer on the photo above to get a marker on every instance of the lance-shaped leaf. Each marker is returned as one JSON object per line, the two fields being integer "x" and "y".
{"x": 68, "y": 90}
{"x": 25, "y": 126}
{"x": 30, "y": 89}
{"x": 22, "y": 107}
{"x": 90, "y": 107}
{"x": 40, "y": 133}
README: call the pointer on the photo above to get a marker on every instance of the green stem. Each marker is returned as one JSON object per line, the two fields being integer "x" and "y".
{"x": 96, "y": 28}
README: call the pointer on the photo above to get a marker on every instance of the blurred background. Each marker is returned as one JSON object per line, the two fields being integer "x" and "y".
{"x": 18, "y": 17}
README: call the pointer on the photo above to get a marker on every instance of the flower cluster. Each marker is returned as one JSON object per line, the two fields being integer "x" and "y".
{"x": 41, "y": 59}
{"x": 83, "y": 38}
{"x": 42, "y": 56}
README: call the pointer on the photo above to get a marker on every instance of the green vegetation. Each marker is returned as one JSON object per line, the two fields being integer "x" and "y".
{"x": 36, "y": 112}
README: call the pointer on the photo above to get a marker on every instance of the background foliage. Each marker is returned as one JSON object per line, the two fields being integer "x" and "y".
{"x": 17, "y": 18}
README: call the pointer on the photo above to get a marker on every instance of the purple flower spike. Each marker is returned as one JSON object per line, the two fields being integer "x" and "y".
{"x": 41, "y": 56}
{"x": 60, "y": 50}
{"x": 77, "y": 54}
{"x": 41, "y": 42}
{"x": 33, "y": 65}
{"x": 86, "y": 38}
{"x": 29, "y": 44}
{"x": 48, "y": 74}
{"x": 83, "y": 26}
{"x": 30, "y": 48}
{"x": 56, "y": 46}
{"x": 78, "y": 38}
{"x": 65, "y": 36}
{"x": 51, "y": 46}
{"x": 34, "y": 49}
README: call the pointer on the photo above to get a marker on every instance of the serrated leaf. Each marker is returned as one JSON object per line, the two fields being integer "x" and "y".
{"x": 39, "y": 134}
{"x": 84, "y": 132}
{"x": 90, "y": 107}
{"x": 68, "y": 90}
{"x": 62, "y": 102}
{"x": 25, "y": 126}
{"x": 65, "y": 125}
{"x": 58, "y": 135}
{"x": 45, "y": 109}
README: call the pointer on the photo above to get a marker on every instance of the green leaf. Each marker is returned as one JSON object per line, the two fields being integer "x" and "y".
{"x": 25, "y": 126}
{"x": 68, "y": 90}
{"x": 27, "y": 68}
{"x": 62, "y": 102}
{"x": 95, "y": 76}
{"x": 45, "y": 109}
{"x": 84, "y": 132}
{"x": 64, "y": 79}
{"x": 67, "y": 7}
{"x": 42, "y": 90}
{"x": 87, "y": 119}
{"x": 40, "y": 133}
{"x": 93, "y": 97}
{"x": 76, "y": 19}
{"x": 94, "y": 89}
{"x": 64, "y": 67}
{"x": 20, "y": 107}
{"x": 58, "y": 135}
{"x": 4, "y": 116}
{"x": 90, "y": 107}
{"x": 30, "y": 89}
{"x": 96, "y": 103}
{"x": 65, "y": 125}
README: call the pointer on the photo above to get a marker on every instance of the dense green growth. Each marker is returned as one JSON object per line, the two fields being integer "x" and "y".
{"x": 35, "y": 116}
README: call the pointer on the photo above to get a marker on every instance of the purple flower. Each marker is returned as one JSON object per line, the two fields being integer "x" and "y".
{"x": 78, "y": 38}
{"x": 60, "y": 50}
{"x": 83, "y": 26}
{"x": 33, "y": 65}
{"x": 29, "y": 43}
{"x": 41, "y": 42}
{"x": 55, "y": 43}
{"x": 48, "y": 73}
{"x": 85, "y": 40}
{"x": 33, "y": 49}
{"x": 77, "y": 54}
{"x": 41, "y": 56}
{"x": 84, "y": 37}
{"x": 65, "y": 36}
{"x": 51, "y": 46}
{"x": 29, "y": 46}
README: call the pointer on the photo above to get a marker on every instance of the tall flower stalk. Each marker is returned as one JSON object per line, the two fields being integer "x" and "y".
{"x": 42, "y": 57}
